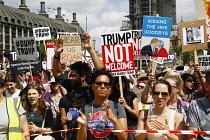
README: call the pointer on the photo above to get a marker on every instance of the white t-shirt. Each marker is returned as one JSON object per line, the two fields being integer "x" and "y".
{"x": 16, "y": 94}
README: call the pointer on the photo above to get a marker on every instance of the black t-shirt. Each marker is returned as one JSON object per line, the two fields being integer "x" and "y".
{"x": 129, "y": 100}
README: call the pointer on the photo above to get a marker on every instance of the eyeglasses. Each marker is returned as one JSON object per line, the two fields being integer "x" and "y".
{"x": 173, "y": 87}
{"x": 158, "y": 93}
{"x": 189, "y": 80}
{"x": 105, "y": 84}
{"x": 140, "y": 86}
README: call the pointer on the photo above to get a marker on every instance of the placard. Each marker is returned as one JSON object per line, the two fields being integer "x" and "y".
{"x": 193, "y": 35}
{"x": 204, "y": 62}
{"x": 17, "y": 66}
{"x": 42, "y": 33}
{"x": 156, "y": 36}
{"x": 50, "y": 54}
{"x": 25, "y": 48}
{"x": 59, "y": 34}
{"x": 203, "y": 12}
{"x": 72, "y": 50}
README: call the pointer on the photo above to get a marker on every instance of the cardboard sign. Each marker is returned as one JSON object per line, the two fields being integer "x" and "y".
{"x": 72, "y": 48}
{"x": 204, "y": 62}
{"x": 171, "y": 59}
{"x": 156, "y": 36}
{"x": 42, "y": 33}
{"x": 59, "y": 34}
{"x": 203, "y": 12}
{"x": 133, "y": 36}
{"x": 17, "y": 66}
{"x": 50, "y": 54}
{"x": 118, "y": 59}
{"x": 193, "y": 35}
{"x": 25, "y": 48}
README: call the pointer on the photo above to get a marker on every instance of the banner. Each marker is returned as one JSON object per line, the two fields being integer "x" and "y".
{"x": 118, "y": 59}
{"x": 204, "y": 62}
{"x": 59, "y": 34}
{"x": 25, "y": 48}
{"x": 17, "y": 66}
{"x": 193, "y": 35}
{"x": 132, "y": 36}
{"x": 42, "y": 33}
{"x": 156, "y": 36}
{"x": 50, "y": 54}
{"x": 203, "y": 12}
{"x": 71, "y": 48}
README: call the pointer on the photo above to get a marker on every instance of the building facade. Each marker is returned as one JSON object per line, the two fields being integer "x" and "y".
{"x": 140, "y": 8}
{"x": 19, "y": 22}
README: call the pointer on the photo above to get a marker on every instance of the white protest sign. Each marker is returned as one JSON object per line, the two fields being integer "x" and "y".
{"x": 42, "y": 33}
{"x": 204, "y": 62}
{"x": 25, "y": 48}
{"x": 59, "y": 34}
{"x": 50, "y": 54}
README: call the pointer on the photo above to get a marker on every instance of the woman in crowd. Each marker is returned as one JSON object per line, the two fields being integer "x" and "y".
{"x": 11, "y": 82}
{"x": 14, "y": 118}
{"x": 37, "y": 112}
{"x": 166, "y": 119}
{"x": 57, "y": 91}
{"x": 129, "y": 101}
{"x": 175, "y": 102}
{"x": 188, "y": 88}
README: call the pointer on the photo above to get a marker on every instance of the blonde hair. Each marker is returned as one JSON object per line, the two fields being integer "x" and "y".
{"x": 179, "y": 81}
{"x": 154, "y": 40}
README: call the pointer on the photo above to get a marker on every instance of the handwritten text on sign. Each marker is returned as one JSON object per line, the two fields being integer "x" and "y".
{"x": 25, "y": 48}
{"x": 118, "y": 57}
{"x": 42, "y": 33}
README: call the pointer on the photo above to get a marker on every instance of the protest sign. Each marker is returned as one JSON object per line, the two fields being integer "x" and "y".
{"x": 118, "y": 59}
{"x": 25, "y": 48}
{"x": 193, "y": 35}
{"x": 132, "y": 36}
{"x": 71, "y": 48}
{"x": 59, "y": 34}
{"x": 204, "y": 62}
{"x": 17, "y": 66}
{"x": 171, "y": 59}
{"x": 42, "y": 33}
{"x": 203, "y": 12}
{"x": 50, "y": 54}
{"x": 156, "y": 36}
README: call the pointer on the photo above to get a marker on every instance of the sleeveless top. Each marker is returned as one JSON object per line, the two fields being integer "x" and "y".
{"x": 158, "y": 136}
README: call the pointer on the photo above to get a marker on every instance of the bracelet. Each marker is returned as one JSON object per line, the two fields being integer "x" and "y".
{"x": 55, "y": 57}
{"x": 37, "y": 129}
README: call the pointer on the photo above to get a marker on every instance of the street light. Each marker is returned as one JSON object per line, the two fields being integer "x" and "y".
{"x": 94, "y": 43}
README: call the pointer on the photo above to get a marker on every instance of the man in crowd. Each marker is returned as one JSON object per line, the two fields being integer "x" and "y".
{"x": 77, "y": 86}
{"x": 198, "y": 118}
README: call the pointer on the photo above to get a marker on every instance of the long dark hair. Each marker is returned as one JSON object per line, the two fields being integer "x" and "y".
{"x": 41, "y": 105}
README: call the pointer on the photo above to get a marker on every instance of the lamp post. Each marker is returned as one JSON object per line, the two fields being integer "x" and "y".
{"x": 94, "y": 43}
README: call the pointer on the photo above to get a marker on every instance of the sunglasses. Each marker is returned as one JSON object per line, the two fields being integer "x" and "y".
{"x": 173, "y": 87}
{"x": 105, "y": 84}
{"x": 189, "y": 80}
{"x": 158, "y": 93}
{"x": 140, "y": 86}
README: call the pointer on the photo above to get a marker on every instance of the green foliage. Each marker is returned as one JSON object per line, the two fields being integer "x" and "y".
{"x": 42, "y": 49}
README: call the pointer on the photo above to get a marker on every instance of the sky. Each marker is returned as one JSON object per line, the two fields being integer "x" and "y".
{"x": 103, "y": 16}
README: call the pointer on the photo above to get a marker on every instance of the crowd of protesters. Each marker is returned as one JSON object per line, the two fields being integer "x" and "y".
{"x": 38, "y": 102}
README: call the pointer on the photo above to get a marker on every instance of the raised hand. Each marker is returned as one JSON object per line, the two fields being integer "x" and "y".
{"x": 58, "y": 47}
{"x": 88, "y": 45}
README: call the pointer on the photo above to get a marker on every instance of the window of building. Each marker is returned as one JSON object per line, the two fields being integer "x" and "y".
{"x": 41, "y": 21}
{"x": 60, "y": 27}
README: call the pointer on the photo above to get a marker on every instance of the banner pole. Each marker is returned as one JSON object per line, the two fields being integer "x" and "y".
{"x": 29, "y": 64}
{"x": 195, "y": 56}
{"x": 140, "y": 65}
{"x": 120, "y": 83}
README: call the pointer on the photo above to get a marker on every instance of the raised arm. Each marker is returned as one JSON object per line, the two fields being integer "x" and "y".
{"x": 90, "y": 49}
{"x": 56, "y": 70}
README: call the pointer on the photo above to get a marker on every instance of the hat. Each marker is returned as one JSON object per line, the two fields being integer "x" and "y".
{"x": 35, "y": 78}
{"x": 142, "y": 76}
{"x": 51, "y": 83}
